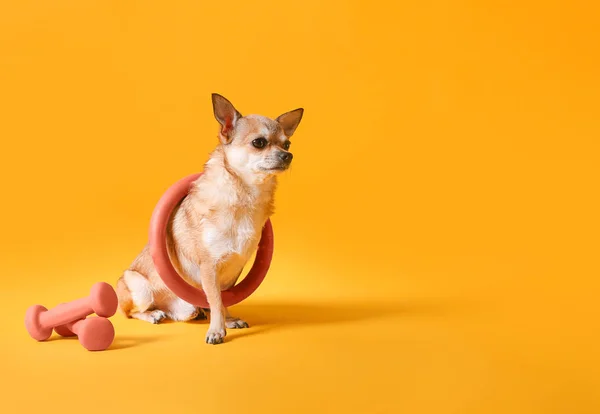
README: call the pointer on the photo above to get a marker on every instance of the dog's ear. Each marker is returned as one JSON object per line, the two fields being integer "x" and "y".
{"x": 290, "y": 120}
{"x": 227, "y": 116}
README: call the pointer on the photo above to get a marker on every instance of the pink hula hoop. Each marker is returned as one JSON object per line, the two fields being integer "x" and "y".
{"x": 158, "y": 249}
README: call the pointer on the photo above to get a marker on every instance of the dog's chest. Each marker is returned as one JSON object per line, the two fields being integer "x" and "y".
{"x": 242, "y": 235}
{"x": 232, "y": 234}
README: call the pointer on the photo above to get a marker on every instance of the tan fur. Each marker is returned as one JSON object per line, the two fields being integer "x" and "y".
{"x": 216, "y": 228}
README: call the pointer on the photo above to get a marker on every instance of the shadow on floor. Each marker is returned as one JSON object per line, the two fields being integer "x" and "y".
{"x": 120, "y": 342}
{"x": 267, "y": 316}
{"x": 294, "y": 313}
{"x": 123, "y": 342}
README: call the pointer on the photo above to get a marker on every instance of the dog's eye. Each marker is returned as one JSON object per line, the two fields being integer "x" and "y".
{"x": 286, "y": 145}
{"x": 259, "y": 143}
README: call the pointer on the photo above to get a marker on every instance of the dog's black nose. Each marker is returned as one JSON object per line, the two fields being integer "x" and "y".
{"x": 286, "y": 156}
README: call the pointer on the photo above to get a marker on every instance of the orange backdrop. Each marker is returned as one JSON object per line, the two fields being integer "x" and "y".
{"x": 436, "y": 241}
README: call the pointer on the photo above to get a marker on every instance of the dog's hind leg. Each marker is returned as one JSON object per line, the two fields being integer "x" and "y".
{"x": 136, "y": 299}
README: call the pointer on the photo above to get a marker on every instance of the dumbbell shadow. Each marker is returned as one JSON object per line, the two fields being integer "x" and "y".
{"x": 119, "y": 342}
{"x": 124, "y": 342}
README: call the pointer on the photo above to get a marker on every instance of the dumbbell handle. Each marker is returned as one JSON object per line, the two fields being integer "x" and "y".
{"x": 102, "y": 301}
{"x": 66, "y": 312}
{"x": 75, "y": 326}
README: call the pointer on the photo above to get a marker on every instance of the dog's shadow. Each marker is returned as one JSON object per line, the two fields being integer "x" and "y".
{"x": 268, "y": 316}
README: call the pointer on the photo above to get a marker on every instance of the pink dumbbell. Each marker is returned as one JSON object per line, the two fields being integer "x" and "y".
{"x": 40, "y": 321}
{"x": 95, "y": 333}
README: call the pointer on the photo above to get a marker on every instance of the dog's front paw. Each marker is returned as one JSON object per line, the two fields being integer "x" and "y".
{"x": 215, "y": 336}
{"x": 236, "y": 323}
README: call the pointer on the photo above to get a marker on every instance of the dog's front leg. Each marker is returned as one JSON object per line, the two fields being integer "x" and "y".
{"x": 216, "y": 330}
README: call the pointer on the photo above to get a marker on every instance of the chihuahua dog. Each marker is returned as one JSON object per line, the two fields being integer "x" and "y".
{"x": 216, "y": 228}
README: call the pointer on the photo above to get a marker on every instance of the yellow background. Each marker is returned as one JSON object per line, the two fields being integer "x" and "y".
{"x": 436, "y": 238}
